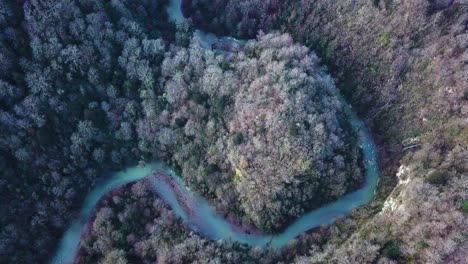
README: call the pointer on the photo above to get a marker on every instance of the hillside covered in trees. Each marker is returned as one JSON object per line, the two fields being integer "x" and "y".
{"x": 88, "y": 87}
{"x": 260, "y": 130}
{"x": 403, "y": 65}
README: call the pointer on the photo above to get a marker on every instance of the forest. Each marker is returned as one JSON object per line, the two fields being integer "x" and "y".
{"x": 403, "y": 66}
{"x": 265, "y": 116}
{"x": 89, "y": 87}
{"x": 72, "y": 78}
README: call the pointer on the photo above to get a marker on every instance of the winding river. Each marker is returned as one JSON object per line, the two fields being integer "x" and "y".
{"x": 201, "y": 217}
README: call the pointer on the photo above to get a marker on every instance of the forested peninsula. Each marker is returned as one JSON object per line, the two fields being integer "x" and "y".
{"x": 261, "y": 127}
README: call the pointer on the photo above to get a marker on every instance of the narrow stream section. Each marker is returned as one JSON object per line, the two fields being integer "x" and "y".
{"x": 198, "y": 213}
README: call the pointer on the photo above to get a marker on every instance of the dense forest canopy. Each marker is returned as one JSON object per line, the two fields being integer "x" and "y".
{"x": 260, "y": 127}
{"x": 403, "y": 65}
{"x": 72, "y": 78}
{"x": 88, "y": 87}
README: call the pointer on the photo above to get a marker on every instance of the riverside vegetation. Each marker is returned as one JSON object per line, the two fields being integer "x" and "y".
{"x": 91, "y": 86}
{"x": 403, "y": 66}
{"x": 260, "y": 131}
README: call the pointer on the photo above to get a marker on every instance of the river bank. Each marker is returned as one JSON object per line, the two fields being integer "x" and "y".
{"x": 188, "y": 201}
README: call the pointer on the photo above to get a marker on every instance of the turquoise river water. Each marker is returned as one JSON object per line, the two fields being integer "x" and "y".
{"x": 203, "y": 218}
